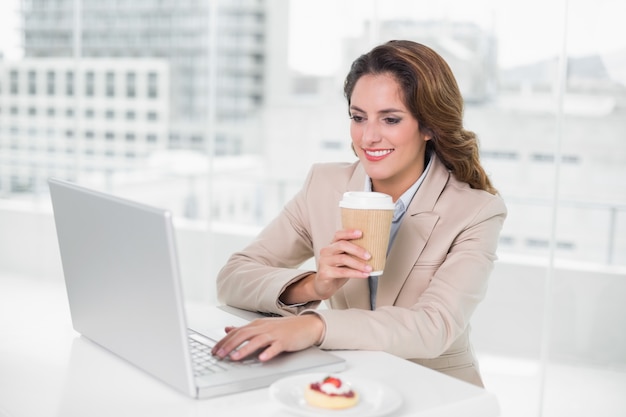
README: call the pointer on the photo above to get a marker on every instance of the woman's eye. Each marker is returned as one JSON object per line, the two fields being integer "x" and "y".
{"x": 357, "y": 118}
{"x": 392, "y": 120}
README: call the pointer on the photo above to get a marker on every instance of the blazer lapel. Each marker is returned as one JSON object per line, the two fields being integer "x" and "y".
{"x": 408, "y": 246}
{"x": 415, "y": 230}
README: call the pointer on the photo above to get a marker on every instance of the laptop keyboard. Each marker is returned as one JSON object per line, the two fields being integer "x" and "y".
{"x": 204, "y": 363}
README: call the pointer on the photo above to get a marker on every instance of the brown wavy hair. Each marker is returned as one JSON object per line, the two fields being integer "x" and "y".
{"x": 432, "y": 95}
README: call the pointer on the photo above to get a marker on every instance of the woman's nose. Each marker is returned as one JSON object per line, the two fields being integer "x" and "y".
{"x": 371, "y": 133}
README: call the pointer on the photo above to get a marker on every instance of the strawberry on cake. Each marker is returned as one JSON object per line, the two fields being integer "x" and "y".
{"x": 330, "y": 393}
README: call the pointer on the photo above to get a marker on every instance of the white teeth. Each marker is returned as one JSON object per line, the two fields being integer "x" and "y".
{"x": 378, "y": 153}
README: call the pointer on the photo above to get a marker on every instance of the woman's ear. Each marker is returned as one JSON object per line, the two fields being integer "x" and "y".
{"x": 428, "y": 134}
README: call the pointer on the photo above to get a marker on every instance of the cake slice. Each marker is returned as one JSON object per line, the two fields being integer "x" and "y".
{"x": 331, "y": 393}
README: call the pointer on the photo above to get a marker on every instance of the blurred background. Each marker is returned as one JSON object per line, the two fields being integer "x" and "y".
{"x": 215, "y": 109}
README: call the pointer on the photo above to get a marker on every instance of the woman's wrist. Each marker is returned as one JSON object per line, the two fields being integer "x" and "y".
{"x": 318, "y": 326}
{"x": 300, "y": 292}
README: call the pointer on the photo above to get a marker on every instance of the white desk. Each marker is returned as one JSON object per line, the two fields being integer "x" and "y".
{"x": 46, "y": 369}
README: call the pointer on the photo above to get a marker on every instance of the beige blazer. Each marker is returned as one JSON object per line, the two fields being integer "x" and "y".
{"x": 436, "y": 273}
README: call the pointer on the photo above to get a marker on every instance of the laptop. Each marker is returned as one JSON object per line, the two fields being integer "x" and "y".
{"x": 124, "y": 291}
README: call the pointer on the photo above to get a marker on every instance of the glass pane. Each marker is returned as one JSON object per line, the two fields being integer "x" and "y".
{"x": 587, "y": 348}
{"x": 216, "y": 109}
{"x": 531, "y": 111}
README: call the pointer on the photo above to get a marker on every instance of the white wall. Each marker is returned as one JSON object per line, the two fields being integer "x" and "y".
{"x": 586, "y": 304}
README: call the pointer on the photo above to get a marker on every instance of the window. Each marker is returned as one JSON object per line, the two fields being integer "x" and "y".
{"x": 50, "y": 82}
{"x": 153, "y": 91}
{"x": 69, "y": 83}
{"x": 332, "y": 144}
{"x": 542, "y": 157}
{"x": 570, "y": 159}
{"x": 504, "y": 155}
{"x": 90, "y": 83}
{"x": 110, "y": 84}
{"x": 32, "y": 83}
{"x": 537, "y": 243}
{"x": 130, "y": 85}
{"x": 541, "y": 99}
{"x": 14, "y": 82}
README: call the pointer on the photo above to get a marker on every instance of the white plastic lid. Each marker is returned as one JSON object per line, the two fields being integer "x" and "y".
{"x": 366, "y": 200}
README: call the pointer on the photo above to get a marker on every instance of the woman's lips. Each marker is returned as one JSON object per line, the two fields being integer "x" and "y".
{"x": 376, "y": 154}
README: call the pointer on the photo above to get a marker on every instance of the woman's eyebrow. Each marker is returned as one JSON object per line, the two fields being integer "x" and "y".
{"x": 353, "y": 107}
{"x": 383, "y": 111}
{"x": 392, "y": 110}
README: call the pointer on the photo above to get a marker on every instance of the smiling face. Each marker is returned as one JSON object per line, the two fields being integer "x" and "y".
{"x": 385, "y": 135}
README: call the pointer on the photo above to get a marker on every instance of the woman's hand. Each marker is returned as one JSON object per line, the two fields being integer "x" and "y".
{"x": 270, "y": 335}
{"x": 340, "y": 261}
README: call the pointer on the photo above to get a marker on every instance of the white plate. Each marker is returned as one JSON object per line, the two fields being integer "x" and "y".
{"x": 375, "y": 399}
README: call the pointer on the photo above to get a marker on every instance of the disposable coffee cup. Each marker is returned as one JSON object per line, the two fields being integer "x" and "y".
{"x": 370, "y": 212}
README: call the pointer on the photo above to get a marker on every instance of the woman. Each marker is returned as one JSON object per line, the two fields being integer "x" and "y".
{"x": 407, "y": 132}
